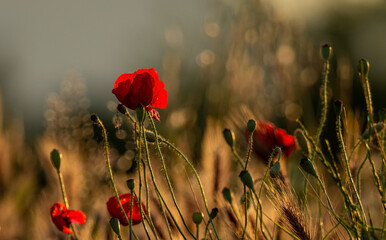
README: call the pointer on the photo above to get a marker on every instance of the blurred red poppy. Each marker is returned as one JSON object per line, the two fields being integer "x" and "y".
{"x": 63, "y": 218}
{"x": 142, "y": 87}
{"x": 115, "y": 210}
{"x": 266, "y": 137}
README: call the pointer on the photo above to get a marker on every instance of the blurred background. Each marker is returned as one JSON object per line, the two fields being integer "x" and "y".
{"x": 59, "y": 62}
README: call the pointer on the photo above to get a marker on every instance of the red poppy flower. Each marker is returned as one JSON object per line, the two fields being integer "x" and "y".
{"x": 115, "y": 210}
{"x": 266, "y": 137}
{"x": 142, "y": 87}
{"x": 63, "y": 218}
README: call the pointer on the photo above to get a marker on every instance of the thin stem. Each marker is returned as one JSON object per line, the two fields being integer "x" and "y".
{"x": 191, "y": 167}
{"x": 237, "y": 157}
{"x": 261, "y": 213}
{"x": 64, "y": 195}
{"x": 139, "y": 161}
{"x": 347, "y": 163}
{"x": 245, "y": 211}
{"x": 154, "y": 182}
{"x": 131, "y": 214}
{"x": 167, "y": 176}
{"x": 197, "y": 231}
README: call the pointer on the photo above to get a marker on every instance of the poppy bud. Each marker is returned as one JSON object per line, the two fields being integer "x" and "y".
{"x": 246, "y": 178}
{"x": 363, "y": 67}
{"x": 122, "y": 109}
{"x": 251, "y": 126}
{"x": 275, "y": 170}
{"x": 197, "y": 217}
{"x": 338, "y": 107}
{"x": 302, "y": 141}
{"x": 364, "y": 234}
{"x": 114, "y": 223}
{"x": 130, "y": 184}
{"x": 308, "y": 167}
{"x": 94, "y": 118}
{"x": 213, "y": 213}
{"x": 140, "y": 114}
{"x": 326, "y": 51}
{"x": 227, "y": 194}
{"x": 150, "y": 136}
{"x": 382, "y": 115}
{"x": 371, "y": 130}
{"x": 229, "y": 137}
{"x": 56, "y": 157}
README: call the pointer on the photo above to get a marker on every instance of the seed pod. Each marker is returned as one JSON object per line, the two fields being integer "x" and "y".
{"x": 251, "y": 126}
{"x": 229, "y": 137}
{"x": 213, "y": 213}
{"x": 246, "y": 178}
{"x": 227, "y": 194}
{"x": 56, "y": 157}
{"x": 308, "y": 167}
{"x": 275, "y": 170}
{"x": 326, "y": 51}
{"x": 114, "y": 223}
{"x": 130, "y": 184}
{"x": 197, "y": 217}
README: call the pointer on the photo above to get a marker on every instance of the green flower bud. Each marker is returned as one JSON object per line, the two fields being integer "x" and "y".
{"x": 197, "y": 217}
{"x": 114, "y": 223}
{"x": 94, "y": 118}
{"x": 122, "y": 109}
{"x": 130, "y": 184}
{"x": 56, "y": 157}
{"x": 326, "y": 51}
{"x": 364, "y": 234}
{"x": 275, "y": 170}
{"x": 363, "y": 67}
{"x": 150, "y": 136}
{"x": 308, "y": 167}
{"x": 302, "y": 141}
{"x": 141, "y": 113}
{"x": 227, "y": 194}
{"x": 251, "y": 126}
{"x": 379, "y": 126}
{"x": 246, "y": 178}
{"x": 213, "y": 213}
{"x": 229, "y": 137}
{"x": 338, "y": 105}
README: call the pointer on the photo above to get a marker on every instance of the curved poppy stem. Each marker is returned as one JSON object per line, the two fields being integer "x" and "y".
{"x": 167, "y": 176}
{"x": 139, "y": 163}
{"x": 106, "y": 146}
{"x": 190, "y": 166}
{"x": 158, "y": 193}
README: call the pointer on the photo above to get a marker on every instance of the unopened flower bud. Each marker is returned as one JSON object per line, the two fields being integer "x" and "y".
{"x": 122, "y": 109}
{"x": 275, "y": 170}
{"x": 56, "y": 157}
{"x": 338, "y": 105}
{"x": 229, "y": 137}
{"x": 363, "y": 67}
{"x": 308, "y": 167}
{"x": 246, "y": 178}
{"x": 150, "y": 136}
{"x": 114, "y": 223}
{"x": 130, "y": 184}
{"x": 302, "y": 141}
{"x": 94, "y": 118}
{"x": 251, "y": 126}
{"x": 379, "y": 126}
{"x": 227, "y": 194}
{"x": 364, "y": 234}
{"x": 326, "y": 51}
{"x": 140, "y": 114}
{"x": 213, "y": 213}
{"x": 197, "y": 217}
